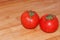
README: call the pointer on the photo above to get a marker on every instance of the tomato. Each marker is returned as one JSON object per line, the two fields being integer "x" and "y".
{"x": 29, "y": 19}
{"x": 49, "y": 23}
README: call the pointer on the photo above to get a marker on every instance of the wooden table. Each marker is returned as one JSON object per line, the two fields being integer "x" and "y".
{"x": 10, "y": 24}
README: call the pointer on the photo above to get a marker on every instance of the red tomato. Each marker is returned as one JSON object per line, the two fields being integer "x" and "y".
{"x": 29, "y": 19}
{"x": 49, "y": 23}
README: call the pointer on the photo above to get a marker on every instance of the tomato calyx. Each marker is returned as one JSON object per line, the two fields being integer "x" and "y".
{"x": 31, "y": 13}
{"x": 50, "y": 17}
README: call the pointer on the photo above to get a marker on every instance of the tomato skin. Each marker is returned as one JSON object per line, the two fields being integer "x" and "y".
{"x": 49, "y": 26}
{"x": 28, "y": 21}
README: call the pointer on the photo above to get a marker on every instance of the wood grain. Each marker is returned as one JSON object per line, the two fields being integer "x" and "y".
{"x": 54, "y": 38}
{"x": 10, "y": 21}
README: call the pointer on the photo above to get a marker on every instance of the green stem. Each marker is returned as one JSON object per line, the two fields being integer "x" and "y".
{"x": 31, "y": 13}
{"x": 49, "y": 17}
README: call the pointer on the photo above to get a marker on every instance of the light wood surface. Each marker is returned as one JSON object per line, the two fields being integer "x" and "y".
{"x": 10, "y": 22}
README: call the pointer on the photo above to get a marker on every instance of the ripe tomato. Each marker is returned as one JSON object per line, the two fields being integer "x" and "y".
{"x": 49, "y": 23}
{"x": 29, "y": 19}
